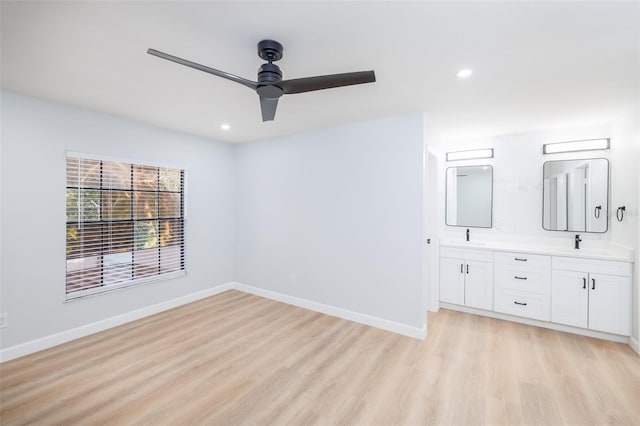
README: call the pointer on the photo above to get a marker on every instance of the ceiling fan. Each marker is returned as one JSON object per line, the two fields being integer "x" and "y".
{"x": 270, "y": 85}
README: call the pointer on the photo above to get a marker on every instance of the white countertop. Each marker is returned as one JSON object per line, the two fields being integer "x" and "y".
{"x": 611, "y": 251}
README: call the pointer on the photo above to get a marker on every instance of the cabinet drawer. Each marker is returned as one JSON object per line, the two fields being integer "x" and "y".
{"x": 529, "y": 280}
{"x": 522, "y": 304}
{"x": 522, "y": 260}
{"x": 467, "y": 254}
{"x": 610, "y": 267}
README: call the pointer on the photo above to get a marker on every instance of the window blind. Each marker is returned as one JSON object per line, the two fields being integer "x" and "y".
{"x": 125, "y": 224}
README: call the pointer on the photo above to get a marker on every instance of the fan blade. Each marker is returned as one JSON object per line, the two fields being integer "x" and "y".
{"x": 309, "y": 84}
{"x": 250, "y": 84}
{"x": 268, "y": 107}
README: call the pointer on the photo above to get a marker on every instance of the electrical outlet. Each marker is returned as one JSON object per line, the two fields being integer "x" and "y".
{"x": 292, "y": 278}
{"x": 3, "y": 320}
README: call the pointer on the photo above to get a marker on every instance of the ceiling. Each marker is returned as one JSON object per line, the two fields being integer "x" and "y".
{"x": 537, "y": 65}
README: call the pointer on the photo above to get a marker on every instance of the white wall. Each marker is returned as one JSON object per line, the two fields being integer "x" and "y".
{"x": 342, "y": 210}
{"x": 625, "y": 188}
{"x": 35, "y": 136}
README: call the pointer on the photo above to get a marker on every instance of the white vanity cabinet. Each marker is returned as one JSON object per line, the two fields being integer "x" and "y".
{"x": 580, "y": 291}
{"x": 593, "y": 294}
{"x": 523, "y": 284}
{"x": 466, "y": 277}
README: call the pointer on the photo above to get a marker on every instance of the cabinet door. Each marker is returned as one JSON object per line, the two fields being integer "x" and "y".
{"x": 569, "y": 298}
{"x": 451, "y": 281}
{"x": 478, "y": 287}
{"x": 609, "y": 303}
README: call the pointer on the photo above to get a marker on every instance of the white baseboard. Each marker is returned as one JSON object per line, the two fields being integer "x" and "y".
{"x": 395, "y": 327}
{"x": 544, "y": 324}
{"x": 95, "y": 327}
{"x": 85, "y": 330}
{"x": 634, "y": 344}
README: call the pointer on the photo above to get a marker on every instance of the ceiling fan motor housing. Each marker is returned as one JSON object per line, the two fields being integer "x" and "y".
{"x": 268, "y": 76}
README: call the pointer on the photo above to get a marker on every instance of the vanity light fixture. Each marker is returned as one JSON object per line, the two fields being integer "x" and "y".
{"x": 572, "y": 146}
{"x": 469, "y": 155}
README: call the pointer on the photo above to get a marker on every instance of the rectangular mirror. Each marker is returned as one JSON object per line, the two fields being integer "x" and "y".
{"x": 575, "y": 195}
{"x": 469, "y": 196}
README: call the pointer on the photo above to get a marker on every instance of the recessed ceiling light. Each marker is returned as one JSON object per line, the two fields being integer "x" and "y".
{"x": 225, "y": 127}
{"x": 464, "y": 73}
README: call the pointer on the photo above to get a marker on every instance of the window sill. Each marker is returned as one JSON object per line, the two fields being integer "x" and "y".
{"x": 72, "y": 297}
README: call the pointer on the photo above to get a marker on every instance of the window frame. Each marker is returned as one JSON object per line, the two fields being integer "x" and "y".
{"x": 134, "y": 282}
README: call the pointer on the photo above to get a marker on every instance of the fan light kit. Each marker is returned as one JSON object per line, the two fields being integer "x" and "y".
{"x": 270, "y": 85}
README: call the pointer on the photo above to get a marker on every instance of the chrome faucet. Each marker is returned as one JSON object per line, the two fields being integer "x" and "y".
{"x": 578, "y": 240}
{"x": 467, "y": 234}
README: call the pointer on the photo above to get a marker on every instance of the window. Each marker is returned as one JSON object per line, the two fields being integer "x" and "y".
{"x": 125, "y": 224}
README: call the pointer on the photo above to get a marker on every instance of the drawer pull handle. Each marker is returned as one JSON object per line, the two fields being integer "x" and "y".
{"x": 520, "y": 278}
{"x": 593, "y": 282}
{"x": 520, "y": 259}
{"x": 461, "y": 270}
{"x": 468, "y": 269}
{"x": 520, "y": 303}
{"x": 584, "y": 283}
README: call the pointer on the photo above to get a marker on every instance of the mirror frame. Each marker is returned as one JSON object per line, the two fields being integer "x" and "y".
{"x": 446, "y": 195}
{"x": 608, "y": 195}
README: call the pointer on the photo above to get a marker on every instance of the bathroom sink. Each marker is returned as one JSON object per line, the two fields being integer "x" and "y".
{"x": 583, "y": 251}
{"x": 475, "y": 243}
{"x": 464, "y": 243}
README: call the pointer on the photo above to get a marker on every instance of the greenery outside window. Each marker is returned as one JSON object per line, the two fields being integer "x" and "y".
{"x": 125, "y": 224}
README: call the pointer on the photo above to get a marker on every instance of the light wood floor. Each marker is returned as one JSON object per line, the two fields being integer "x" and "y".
{"x": 241, "y": 359}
